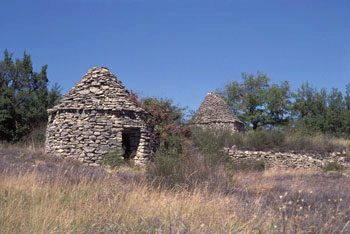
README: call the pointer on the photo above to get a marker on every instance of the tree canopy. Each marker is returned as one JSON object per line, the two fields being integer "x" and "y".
{"x": 24, "y": 97}
{"x": 322, "y": 111}
{"x": 166, "y": 120}
{"x": 256, "y": 102}
{"x": 259, "y": 103}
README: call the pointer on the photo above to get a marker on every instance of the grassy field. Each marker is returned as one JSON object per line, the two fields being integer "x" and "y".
{"x": 43, "y": 194}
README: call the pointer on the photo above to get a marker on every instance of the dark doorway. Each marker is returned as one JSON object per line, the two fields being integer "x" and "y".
{"x": 130, "y": 142}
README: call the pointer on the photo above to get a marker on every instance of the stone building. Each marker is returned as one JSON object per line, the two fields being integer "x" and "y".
{"x": 97, "y": 116}
{"x": 215, "y": 113}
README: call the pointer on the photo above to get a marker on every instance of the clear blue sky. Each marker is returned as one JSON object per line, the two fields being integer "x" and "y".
{"x": 182, "y": 49}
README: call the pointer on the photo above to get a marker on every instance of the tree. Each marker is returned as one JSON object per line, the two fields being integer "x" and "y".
{"x": 7, "y": 108}
{"x": 166, "y": 120}
{"x": 24, "y": 97}
{"x": 55, "y": 95}
{"x": 347, "y": 96}
{"x": 319, "y": 111}
{"x": 335, "y": 112}
{"x": 257, "y": 103}
{"x": 346, "y": 114}
{"x": 310, "y": 107}
{"x": 278, "y": 104}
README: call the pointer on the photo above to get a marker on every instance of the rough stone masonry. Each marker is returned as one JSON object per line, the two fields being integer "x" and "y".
{"x": 97, "y": 116}
{"x": 288, "y": 160}
{"x": 214, "y": 113}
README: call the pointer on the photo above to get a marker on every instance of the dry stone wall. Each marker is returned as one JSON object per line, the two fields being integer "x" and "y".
{"x": 96, "y": 117}
{"x": 214, "y": 113}
{"x": 88, "y": 135}
{"x": 290, "y": 160}
{"x": 221, "y": 126}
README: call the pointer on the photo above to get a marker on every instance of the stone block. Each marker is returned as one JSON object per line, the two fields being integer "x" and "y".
{"x": 89, "y": 149}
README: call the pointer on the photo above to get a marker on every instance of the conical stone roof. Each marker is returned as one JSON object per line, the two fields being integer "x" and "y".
{"x": 214, "y": 109}
{"x": 98, "y": 89}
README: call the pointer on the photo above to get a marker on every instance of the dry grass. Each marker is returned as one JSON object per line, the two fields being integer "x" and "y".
{"x": 40, "y": 194}
{"x": 29, "y": 206}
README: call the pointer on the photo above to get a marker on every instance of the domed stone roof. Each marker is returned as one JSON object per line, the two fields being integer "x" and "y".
{"x": 98, "y": 89}
{"x": 214, "y": 109}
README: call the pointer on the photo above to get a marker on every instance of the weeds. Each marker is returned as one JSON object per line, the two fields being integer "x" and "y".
{"x": 192, "y": 163}
{"x": 114, "y": 159}
{"x": 42, "y": 194}
{"x": 333, "y": 167}
{"x": 264, "y": 140}
{"x": 248, "y": 165}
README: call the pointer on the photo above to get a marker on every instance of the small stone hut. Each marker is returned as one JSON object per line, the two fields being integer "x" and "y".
{"x": 97, "y": 116}
{"x": 215, "y": 113}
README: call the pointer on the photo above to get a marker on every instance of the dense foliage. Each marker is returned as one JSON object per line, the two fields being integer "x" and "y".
{"x": 322, "y": 111}
{"x": 259, "y": 103}
{"x": 166, "y": 120}
{"x": 24, "y": 97}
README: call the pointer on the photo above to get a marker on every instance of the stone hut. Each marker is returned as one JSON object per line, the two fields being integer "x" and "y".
{"x": 215, "y": 113}
{"x": 97, "y": 116}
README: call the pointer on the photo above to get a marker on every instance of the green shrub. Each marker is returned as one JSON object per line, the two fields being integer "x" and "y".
{"x": 172, "y": 146}
{"x": 166, "y": 170}
{"x": 189, "y": 167}
{"x": 347, "y": 155}
{"x": 36, "y": 137}
{"x": 333, "y": 166}
{"x": 114, "y": 158}
{"x": 167, "y": 166}
{"x": 213, "y": 141}
{"x": 264, "y": 139}
{"x": 298, "y": 142}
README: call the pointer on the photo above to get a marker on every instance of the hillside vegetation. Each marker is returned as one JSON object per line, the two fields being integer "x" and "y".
{"x": 42, "y": 194}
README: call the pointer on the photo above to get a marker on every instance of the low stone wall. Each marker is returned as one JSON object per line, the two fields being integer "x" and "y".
{"x": 290, "y": 159}
{"x": 87, "y": 135}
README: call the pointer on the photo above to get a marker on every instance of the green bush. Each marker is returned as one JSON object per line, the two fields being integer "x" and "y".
{"x": 166, "y": 170}
{"x": 212, "y": 141}
{"x": 264, "y": 139}
{"x": 347, "y": 151}
{"x": 172, "y": 146}
{"x": 333, "y": 166}
{"x": 189, "y": 167}
{"x": 114, "y": 158}
{"x": 167, "y": 166}
{"x": 298, "y": 142}
{"x": 36, "y": 137}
